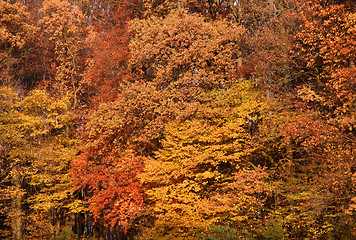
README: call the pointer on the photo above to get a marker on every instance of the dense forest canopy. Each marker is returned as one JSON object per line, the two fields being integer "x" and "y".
{"x": 166, "y": 119}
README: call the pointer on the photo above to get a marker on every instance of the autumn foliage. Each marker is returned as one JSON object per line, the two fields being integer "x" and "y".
{"x": 177, "y": 119}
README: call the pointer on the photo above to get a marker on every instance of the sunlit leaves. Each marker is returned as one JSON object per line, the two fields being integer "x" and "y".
{"x": 193, "y": 181}
{"x": 16, "y": 34}
{"x": 38, "y": 145}
{"x": 184, "y": 52}
{"x": 64, "y": 28}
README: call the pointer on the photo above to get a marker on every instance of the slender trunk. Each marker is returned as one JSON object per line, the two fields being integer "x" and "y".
{"x": 237, "y": 13}
{"x": 17, "y": 230}
{"x": 240, "y": 16}
{"x": 57, "y": 228}
{"x": 289, "y": 158}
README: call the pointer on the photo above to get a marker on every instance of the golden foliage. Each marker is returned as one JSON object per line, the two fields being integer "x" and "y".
{"x": 194, "y": 180}
{"x": 184, "y": 52}
{"x": 37, "y": 146}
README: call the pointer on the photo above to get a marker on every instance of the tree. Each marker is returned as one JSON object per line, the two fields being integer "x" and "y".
{"x": 64, "y": 34}
{"x": 267, "y": 42}
{"x": 325, "y": 54}
{"x": 118, "y": 139}
{"x": 317, "y": 179}
{"x": 16, "y": 39}
{"x": 185, "y": 54}
{"x": 202, "y": 176}
{"x": 107, "y": 171}
{"x": 184, "y": 57}
{"x": 107, "y": 66}
{"x": 36, "y": 150}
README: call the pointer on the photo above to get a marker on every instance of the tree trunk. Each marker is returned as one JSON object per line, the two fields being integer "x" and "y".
{"x": 17, "y": 230}
{"x": 240, "y": 16}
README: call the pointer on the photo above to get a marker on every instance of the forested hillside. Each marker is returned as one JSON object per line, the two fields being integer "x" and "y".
{"x": 165, "y": 119}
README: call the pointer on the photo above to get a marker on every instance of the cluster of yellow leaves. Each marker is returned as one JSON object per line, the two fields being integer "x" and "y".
{"x": 37, "y": 145}
{"x": 189, "y": 179}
